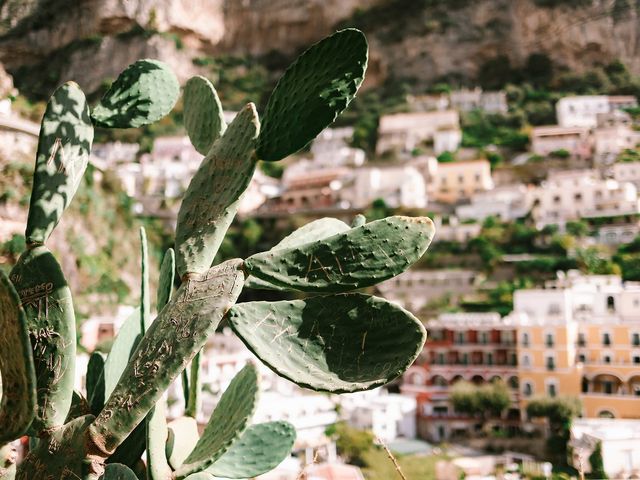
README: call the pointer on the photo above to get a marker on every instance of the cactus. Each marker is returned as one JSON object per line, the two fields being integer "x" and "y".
{"x": 341, "y": 342}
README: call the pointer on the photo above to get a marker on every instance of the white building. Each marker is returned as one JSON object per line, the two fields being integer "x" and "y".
{"x": 507, "y": 202}
{"x": 548, "y": 139}
{"x": 114, "y": 153}
{"x": 447, "y": 140}
{"x": 467, "y": 100}
{"x": 627, "y": 172}
{"x": 388, "y": 416}
{"x": 575, "y": 194}
{"x": 614, "y": 134}
{"x": 403, "y": 132}
{"x": 398, "y": 185}
{"x": 455, "y": 231}
{"x": 582, "y": 110}
{"x": 331, "y": 148}
{"x": 619, "y": 440}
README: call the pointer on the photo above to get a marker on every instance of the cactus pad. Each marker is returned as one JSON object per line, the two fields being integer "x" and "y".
{"x": 179, "y": 332}
{"x": 183, "y": 437}
{"x": 312, "y": 93}
{"x": 122, "y": 349}
{"x": 311, "y": 232}
{"x": 95, "y": 382}
{"x": 360, "y": 257}
{"x": 260, "y": 449}
{"x": 337, "y": 343}
{"x": 157, "y": 437}
{"x": 17, "y": 374}
{"x": 228, "y": 421}
{"x": 64, "y": 145}
{"x": 117, "y": 471}
{"x": 213, "y": 196}
{"x": 144, "y": 92}
{"x": 48, "y": 306}
{"x": 203, "y": 115}
{"x": 165, "y": 280}
{"x": 201, "y": 476}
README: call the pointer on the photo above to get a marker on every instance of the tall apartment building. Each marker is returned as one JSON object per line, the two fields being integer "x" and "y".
{"x": 581, "y": 337}
{"x": 476, "y": 347}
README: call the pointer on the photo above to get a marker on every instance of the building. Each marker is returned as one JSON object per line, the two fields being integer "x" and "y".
{"x": 456, "y": 181}
{"x": 331, "y": 148}
{"x": 387, "y": 416}
{"x": 414, "y": 289}
{"x": 620, "y": 102}
{"x": 582, "y": 110}
{"x": 554, "y": 138}
{"x": 613, "y": 134}
{"x": 398, "y": 185}
{"x": 428, "y": 103}
{"x": 618, "y": 233}
{"x": 477, "y": 347}
{"x": 575, "y": 194}
{"x": 404, "y": 132}
{"x": 455, "y": 231}
{"x": 466, "y": 100}
{"x": 580, "y": 337}
{"x": 627, "y": 172}
{"x": 619, "y": 442}
{"x": 447, "y": 140}
{"x": 507, "y": 202}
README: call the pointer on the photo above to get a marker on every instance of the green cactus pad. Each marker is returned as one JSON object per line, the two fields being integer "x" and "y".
{"x": 201, "y": 476}
{"x": 203, "y": 115}
{"x": 17, "y": 373}
{"x": 311, "y": 232}
{"x": 312, "y": 93}
{"x": 64, "y": 145}
{"x": 182, "y": 439}
{"x": 165, "y": 281}
{"x": 336, "y": 343}
{"x": 195, "y": 386}
{"x": 145, "y": 298}
{"x": 213, "y": 196}
{"x": 48, "y": 306}
{"x": 157, "y": 437}
{"x": 117, "y": 471}
{"x": 228, "y": 421}
{"x": 179, "y": 332}
{"x": 61, "y": 454}
{"x": 122, "y": 349}
{"x": 261, "y": 448}
{"x": 95, "y": 382}
{"x": 143, "y": 93}
{"x": 79, "y": 407}
{"x": 360, "y": 257}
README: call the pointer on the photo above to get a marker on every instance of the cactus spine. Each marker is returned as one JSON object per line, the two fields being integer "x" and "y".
{"x": 360, "y": 343}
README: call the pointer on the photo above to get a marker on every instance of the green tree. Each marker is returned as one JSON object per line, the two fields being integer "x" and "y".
{"x": 597, "y": 465}
{"x": 351, "y": 443}
{"x": 484, "y": 400}
{"x": 578, "y": 228}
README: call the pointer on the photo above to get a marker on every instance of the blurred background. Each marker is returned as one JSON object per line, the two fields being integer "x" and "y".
{"x": 513, "y": 124}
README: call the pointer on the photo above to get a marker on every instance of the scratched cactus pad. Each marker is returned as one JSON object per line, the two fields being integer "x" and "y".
{"x": 203, "y": 115}
{"x": 212, "y": 198}
{"x": 143, "y": 93}
{"x": 337, "y": 343}
{"x": 177, "y": 334}
{"x": 18, "y": 392}
{"x": 66, "y": 134}
{"x": 312, "y": 93}
{"x": 357, "y": 258}
{"x": 48, "y": 306}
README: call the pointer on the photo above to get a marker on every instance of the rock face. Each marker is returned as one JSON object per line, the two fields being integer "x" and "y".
{"x": 43, "y": 42}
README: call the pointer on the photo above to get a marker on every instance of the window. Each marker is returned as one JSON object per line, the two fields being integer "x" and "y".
{"x": 465, "y": 358}
{"x": 484, "y": 338}
{"x": 582, "y": 341}
{"x": 606, "y": 359}
{"x": 489, "y": 358}
{"x": 556, "y": 199}
{"x": 525, "y": 339}
{"x": 551, "y": 390}
{"x": 460, "y": 178}
{"x": 607, "y": 387}
{"x": 606, "y": 339}
{"x": 611, "y": 303}
{"x": 578, "y": 197}
{"x": 636, "y": 359}
{"x": 478, "y": 178}
{"x": 459, "y": 337}
{"x": 527, "y": 389}
{"x": 549, "y": 342}
{"x": 635, "y": 339}
{"x": 514, "y": 359}
{"x": 526, "y": 361}
{"x": 551, "y": 364}
{"x": 582, "y": 358}
{"x": 440, "y": 360}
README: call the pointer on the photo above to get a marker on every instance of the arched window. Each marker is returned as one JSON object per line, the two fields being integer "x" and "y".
{"x": 527, "y": 389}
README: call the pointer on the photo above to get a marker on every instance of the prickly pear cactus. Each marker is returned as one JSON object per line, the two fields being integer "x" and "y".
{"x": 342, "y": 342}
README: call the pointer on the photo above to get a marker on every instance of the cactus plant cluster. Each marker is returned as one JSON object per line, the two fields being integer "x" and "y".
{"x": 333, "y": 340}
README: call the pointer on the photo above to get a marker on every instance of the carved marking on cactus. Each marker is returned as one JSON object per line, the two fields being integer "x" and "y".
{"x": 321, "y": 267}
{"x": 264, "y": 319}
{"x": 54, "y": 150}
{"x": 280, "y": 334}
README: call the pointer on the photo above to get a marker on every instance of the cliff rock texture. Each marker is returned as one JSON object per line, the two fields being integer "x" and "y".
{"x": 89, "y": 40}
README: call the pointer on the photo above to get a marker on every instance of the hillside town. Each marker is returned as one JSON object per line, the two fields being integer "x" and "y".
{"x": 570, "y": 335}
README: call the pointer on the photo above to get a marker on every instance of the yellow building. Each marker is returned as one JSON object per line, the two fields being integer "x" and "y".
{"x": 581, "y": 337}
{"x": 457, "y": 181}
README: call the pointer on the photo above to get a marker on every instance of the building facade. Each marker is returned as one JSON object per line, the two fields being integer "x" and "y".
{"x": 456, "y": 181}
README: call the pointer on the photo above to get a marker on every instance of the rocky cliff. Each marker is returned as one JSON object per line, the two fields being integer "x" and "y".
{"x": 43, "y": 42}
